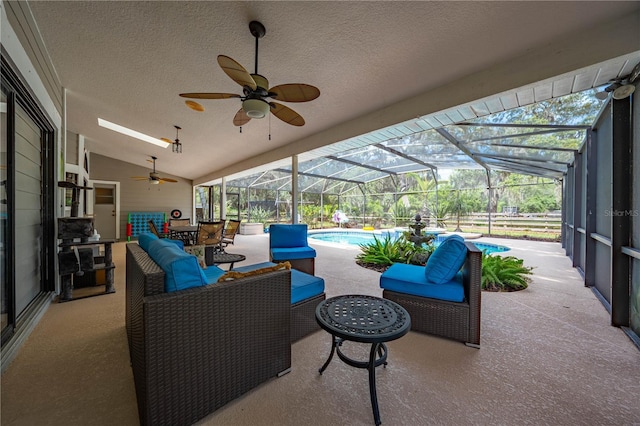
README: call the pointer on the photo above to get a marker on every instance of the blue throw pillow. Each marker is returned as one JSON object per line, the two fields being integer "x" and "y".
{"x": 181, "y": 270}
{"x": 446, "y": 260}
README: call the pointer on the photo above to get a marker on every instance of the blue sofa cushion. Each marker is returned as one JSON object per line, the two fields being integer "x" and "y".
{"x": 178, "y": 243}
{"x": 292, "y": 253}
{"x": 410, "y": 279}
{"x": 181, "y": 270}
{"x": 287, "y": 236}
{"x": 303, "y": 286}
{"x": 145, "y": 238}
{"x": 445, "y": 262}
{"x": 212, "y": 273}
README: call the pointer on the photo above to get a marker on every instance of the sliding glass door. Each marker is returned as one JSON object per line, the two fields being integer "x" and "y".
{"x": 27, "y": 239}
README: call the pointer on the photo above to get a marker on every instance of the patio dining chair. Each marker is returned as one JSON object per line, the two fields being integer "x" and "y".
{"x": 154, "y": 229}
{"x": 181, "y": 236}
{"x": 210, "y": 235}
{"x": 179, "y": 222}
{"x": 229, "y": 233}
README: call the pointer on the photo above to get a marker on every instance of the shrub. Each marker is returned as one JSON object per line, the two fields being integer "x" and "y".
{"x": 504, "y": 273}
{"x": 387, "y": 251}
{"x": 259, "y": 215}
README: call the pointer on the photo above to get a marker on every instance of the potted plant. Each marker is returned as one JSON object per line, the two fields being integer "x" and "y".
{"x": 258, "y": 217}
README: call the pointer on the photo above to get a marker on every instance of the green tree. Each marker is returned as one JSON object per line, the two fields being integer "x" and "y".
{"x": 458, "y": 205}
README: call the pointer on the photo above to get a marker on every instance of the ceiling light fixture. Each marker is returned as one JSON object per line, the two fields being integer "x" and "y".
{"x": 176, "y": 146}
{"x": 621, "y": 87}
{"x": 132, "y": 133}
{"x": 624, "y": 91}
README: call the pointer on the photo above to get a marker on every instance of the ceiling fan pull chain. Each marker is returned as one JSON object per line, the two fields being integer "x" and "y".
{"x": 269, "y": 126}
{"x": 256, "y": 55}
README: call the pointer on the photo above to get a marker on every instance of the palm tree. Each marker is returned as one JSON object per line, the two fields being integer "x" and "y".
{"x": 459, "y": 205}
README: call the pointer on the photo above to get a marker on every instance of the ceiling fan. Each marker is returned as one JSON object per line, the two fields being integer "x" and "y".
{"x": 256, "y": 98}
{"x": 153, "y": 177}
{"x": 622, "y": 87}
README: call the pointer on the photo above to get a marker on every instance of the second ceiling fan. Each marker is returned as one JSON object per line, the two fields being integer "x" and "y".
{"x": 257, "y": 96}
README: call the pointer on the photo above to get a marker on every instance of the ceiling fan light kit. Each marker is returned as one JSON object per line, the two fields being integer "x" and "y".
{"x": 154, "y": 178}
{"x": 255, "y": 108}
{"x": 256, "y": 99}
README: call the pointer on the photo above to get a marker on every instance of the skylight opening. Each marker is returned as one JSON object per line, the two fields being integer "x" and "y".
{"x": 132, "y": 133}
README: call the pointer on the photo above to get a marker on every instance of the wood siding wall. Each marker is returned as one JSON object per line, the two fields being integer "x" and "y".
{"x": 141, "y": 196}
{"x": 19, "y": 15}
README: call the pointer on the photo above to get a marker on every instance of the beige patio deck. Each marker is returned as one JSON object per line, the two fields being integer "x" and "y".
{"x": 548, "y": 356}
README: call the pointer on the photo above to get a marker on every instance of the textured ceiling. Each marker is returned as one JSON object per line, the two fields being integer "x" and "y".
{"x": 126, "y": 62}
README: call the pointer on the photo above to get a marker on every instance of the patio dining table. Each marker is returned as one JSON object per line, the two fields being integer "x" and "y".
{"x": 186, "y": 233}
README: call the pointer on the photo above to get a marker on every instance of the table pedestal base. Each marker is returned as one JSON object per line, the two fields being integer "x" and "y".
{"x": 377, "y": 357}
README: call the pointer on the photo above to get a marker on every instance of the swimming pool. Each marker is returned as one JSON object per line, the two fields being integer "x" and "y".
{"x": 356, "y": 238}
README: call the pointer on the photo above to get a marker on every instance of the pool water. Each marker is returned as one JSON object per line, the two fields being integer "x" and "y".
{"x": 355, "y": 238}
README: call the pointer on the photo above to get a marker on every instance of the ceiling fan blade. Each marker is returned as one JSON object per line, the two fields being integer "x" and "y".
{"x": 295, "y": 92}
{"x": 209, "y": 95}
{"x": 194, "y": 106}
{"x": 286, "y": 114}
{"x": 236, "y": 72}
{"x": 241, "y": 118}
{"x": 140, "y": 177}
{"x": 163, "y": 179}
{"x": 166, "y": 140}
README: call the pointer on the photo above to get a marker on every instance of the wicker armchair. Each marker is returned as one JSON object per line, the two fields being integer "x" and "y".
{"x": 288, "y": 243}
{"x": 454, "y": 320}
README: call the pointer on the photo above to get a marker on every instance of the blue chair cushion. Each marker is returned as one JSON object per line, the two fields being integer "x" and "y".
{"x": 292, "y": 253}
{"x": 303, "y": 286}
{"x": 287, "y": 236}
{"x": 410, "y": 279}
{"x": 181, "y": 270}
{"x": 445, "y": 262}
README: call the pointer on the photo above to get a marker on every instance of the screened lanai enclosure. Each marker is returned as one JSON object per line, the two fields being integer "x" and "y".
{"x": 383, "y": 179}
{"x": 580, "y": 147}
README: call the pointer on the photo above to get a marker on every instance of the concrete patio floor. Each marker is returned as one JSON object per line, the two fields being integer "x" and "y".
{"x": 548, "y": 356}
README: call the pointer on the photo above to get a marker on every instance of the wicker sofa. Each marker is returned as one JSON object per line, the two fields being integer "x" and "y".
{"x": 194, "y": 350}
{"x": 454, "y": 320}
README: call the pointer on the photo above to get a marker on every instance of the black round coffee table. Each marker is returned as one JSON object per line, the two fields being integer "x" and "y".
{"x": 364, "y": 319}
